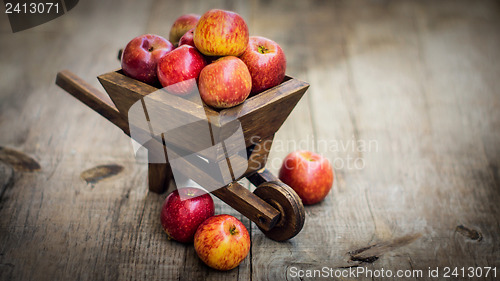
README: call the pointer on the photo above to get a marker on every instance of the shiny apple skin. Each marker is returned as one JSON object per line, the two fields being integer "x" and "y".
{"x": 309, "y": 174}
{"x": 266, "y": 62}
{"x": 179, "y": 69}
{"x": 225, "y": 82}
{"x": 181, "y": 25}
{"x": 141, "y": 55}
{"x": 221, "y": 33}
{"x": 180, "y": 218}
{"x": 222, "y": 242}
{"x": 187, "y": 38}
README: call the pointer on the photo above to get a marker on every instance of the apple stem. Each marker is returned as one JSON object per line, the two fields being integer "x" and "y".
{"x": 263, "y": 49}
{"x": 233, "y": 230}
{"x": 146, "y": 45}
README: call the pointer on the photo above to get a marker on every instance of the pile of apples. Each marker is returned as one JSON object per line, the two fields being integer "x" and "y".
{"x": 222, "y": 242}
{"x": 214, "y": 53}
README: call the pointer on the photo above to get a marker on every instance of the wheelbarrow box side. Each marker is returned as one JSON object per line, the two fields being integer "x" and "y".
{"x": 260, "y": 116}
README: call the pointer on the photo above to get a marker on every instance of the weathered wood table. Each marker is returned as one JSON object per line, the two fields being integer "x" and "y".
{"x": 404, "y": 101}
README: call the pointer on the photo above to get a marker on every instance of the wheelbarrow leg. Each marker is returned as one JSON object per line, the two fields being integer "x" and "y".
{"x": 159, "y": 171}
{"x": 159, "y": 177}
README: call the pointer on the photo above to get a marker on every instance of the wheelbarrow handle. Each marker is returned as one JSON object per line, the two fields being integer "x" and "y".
{"x": 92, "y": 97}
{"x": 249, "y": 205}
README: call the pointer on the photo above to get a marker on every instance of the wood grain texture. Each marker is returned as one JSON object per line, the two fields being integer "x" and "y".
{"x": 418, "y": 78}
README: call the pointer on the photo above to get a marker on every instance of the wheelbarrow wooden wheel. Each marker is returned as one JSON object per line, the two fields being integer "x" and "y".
{"x": 288, "y": 203}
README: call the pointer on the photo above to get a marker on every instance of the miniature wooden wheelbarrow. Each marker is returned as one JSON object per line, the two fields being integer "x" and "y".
{"x": 274, "y": 207}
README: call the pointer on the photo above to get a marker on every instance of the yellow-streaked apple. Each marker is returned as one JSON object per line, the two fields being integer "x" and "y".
{"x": 222, "y": 242}
{"x": 221, "y": 33}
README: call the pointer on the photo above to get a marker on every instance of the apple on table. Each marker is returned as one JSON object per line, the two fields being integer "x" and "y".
{"x": 309, "y": 174}
{"x": 183, "y": 211}
{"x": 222, "y": 242}
{"x": 141, "y": 55}
{"x": 265, "y": 61}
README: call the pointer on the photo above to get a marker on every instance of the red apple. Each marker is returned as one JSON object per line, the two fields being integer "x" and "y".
{"x": 179, "y": 69}
{"x": 187, "y": 38}
{"x": 222, "y": 242}
{"x": 181, "y": 25}
{"x": 221, "y": 33}
{"x": 180, "y": 218}
{"x": 225, "y": 82}
{"x": 265, "y": 61}
{"x": 141, "y": 55}
{"x": 309, "y": 174}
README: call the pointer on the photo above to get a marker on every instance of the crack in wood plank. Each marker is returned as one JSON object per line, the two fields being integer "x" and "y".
{"x": 372, "y": 253}
{"x": 98, "y": 173}
{"x": 7, "y": 178}
{"x": 470, "y": 233}
{"x": 18, "y": 160}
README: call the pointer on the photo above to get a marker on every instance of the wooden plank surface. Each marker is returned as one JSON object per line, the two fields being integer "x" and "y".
{"x": 404, "y": 101}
